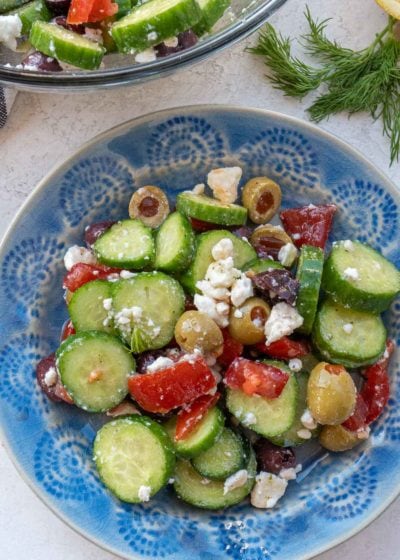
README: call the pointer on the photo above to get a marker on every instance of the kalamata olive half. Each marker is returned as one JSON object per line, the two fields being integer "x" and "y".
{"x": 272, "y": 458}
{"x": 58, "y": 7}
{"x": 39, "y": 61}
{"x": 93, "y": 232}
{"x": 184, "y": 41}
{"x": 49, "y": 380}
{"x": 62, "y": 21}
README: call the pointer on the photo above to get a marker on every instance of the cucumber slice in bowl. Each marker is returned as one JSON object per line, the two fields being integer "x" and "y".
{"x": 309, "y": 275}
{"x": 134, "y": 457}
{"x": 224, "y": 458}
{"x": 262, "y": 265}
{"x": 86, "y": 307}
{"x": 174, "y": 244}
{"x": 209, "y": 209}
{"x": 94, "y": 368}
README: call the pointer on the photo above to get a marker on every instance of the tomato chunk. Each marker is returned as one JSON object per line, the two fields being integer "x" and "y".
{"x": 102, "y": 9}
{"x": 232, "y": 349}
{"x": 67, "y": 330}
{"x": 375, "y": 391}
{"x": 175, "y": 386}
{"x": 285, "y": 348}
{"x": 85, "y": 11}
{"x": 256, "y": 378}
{"x": 309, "y": 225}
{"x": 358, "y": 420}
{"x": 190, "y": 416}
{"x": 81, "y": 273}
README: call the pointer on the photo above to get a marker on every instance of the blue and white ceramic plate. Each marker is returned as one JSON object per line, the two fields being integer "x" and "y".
{"x": 51, "y": 444}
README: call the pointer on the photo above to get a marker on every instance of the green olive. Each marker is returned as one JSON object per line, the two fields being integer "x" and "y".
{"x": 331, "y": 394}
{"x": 197, "y": 331}
{"x": 149, "y": 205}
{"x": 262, "y": 198}
{"x": 337, "y": 438}
{"x": 246, "y": 323}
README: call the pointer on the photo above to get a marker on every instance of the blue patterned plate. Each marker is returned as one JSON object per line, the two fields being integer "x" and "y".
{"x": 51, "y": 444}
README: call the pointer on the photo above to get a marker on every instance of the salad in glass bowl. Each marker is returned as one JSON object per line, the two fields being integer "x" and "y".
{"x": 218, "y": 344}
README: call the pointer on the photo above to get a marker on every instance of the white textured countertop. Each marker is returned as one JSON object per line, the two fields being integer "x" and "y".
{"x": 44, "y": 129}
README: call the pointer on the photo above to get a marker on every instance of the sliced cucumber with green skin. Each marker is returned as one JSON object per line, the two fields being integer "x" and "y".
{"x": 134, "y": 457}
{"x": 209, "y": 209}
{"x": 86, "y": 307}
{"x": 243, "y": 252}
{"x": 224, "y": 458}
{"x": 175, "y": 243}
{"x": 361, "y": 346}
{"x": 158, "y": 300}
{"x": 204, "y": 436}
{"x": 67, "y": 46}
{"x": 309, "y": 275}
{"x": 31, "y": 12}
{"x": 126, "y": 244}
{"x": 377, "y": 279}
{"x": 7, "y": 5}
{"x": 154, "y": 21}
{"x": 267, "y": 417}
{"x": 261, "y": 265}
{"x": 204, "y": 493}
{"x": 290, "y": 438}
{"x": 211, "y": 12}
{"x": 94, "y": 368}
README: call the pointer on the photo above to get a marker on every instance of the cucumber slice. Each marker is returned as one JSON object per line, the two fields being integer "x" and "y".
{"x": 65, "y": 45}
{"x": 124, "y": 7}
{"x": 7, "y": 5}
{"x": 211, "y": 12}
{"x": 86, "y": 307}
{"x": 360, "y": 347}
{"x": 309, "y": 275}
{"x": 31, "y": 12}
{"x": 204, "y": 493}
{"x": 261, "y": 265}
{"x": 290, "y": 437}
{"x": 154, "y": 21}
{"x": 243, "y": 253}
{"x": 158, "y": 301}
{"x": 224, "y": 458}
{"x": 134, "y": 457}
{"x": 267, "y": 417}
{"x": 127, "y": 244}
{"x": 94, "y": 368}
{"x": 174, "y": 244}
{"x": 204, "y": 436}
{"x": 211, "y": 210}
{"x": 378, "y": 279}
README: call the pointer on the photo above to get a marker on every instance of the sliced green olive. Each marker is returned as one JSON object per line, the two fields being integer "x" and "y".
{"x": 262, "y": 198}
{"x": 150, "y": 205}
{"x": 337, "y": 438}
{"x": 246, "y": 323}
{"x": 331, "y": 394}
{"x": 197, "y": 331}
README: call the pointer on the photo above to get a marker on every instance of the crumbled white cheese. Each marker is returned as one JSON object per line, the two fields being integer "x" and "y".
{"x": 223, "y": 249}
{"x": 171, "y": 42}
{"x": 144, "y": 493}
{"x": 288, "y": 474}
{"x": 351, "y": 274}
{"x": 50, "y": 377}
{"x": 76, "y": 254}
{"x": 249, "y": 419}
{"x": 147, "y": 55}
{"x": 287, "y": 254}
{"x": 94, "y": 35}
{"x": 295, "y": 364}
{"x": 296, "y": 236}
{"x": 220, "y": 294}
{"x": 126, "y": 274}
{"x": 238, "y": 314}
{"x": 126, "y": 317}
{"x": 218, "y": 311}
{"x": 363, "y": 433}
{"x": 10, "y": 30}
{"x": 236, "y": 480}
{"x": 348, "y": 328}
{"x": 268, "y": 489}
{"x": 348, "y": 245}
{"x": 221, "y": 273}
{"x": 107, "y": 304}
{"x": 224, "y": 183}
{"x": 159, "y": 364}
{"x": 282, "y": 321}
{"x": 242, "y": 289}
{"x": 152, "y": 36}
{"x": 308, "y": 420}
{"x": 304, "y": 434}
{"x": 198, "y": 189}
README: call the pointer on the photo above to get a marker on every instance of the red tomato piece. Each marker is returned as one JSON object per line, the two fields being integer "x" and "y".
{"x": 357, "y": 421}
{"x": 199, "y": 225}
{"x": 285, "y": 348}
{"x": 79, "y": 11}
{"x": 172, "y": 387}
{"x": 375, "y": 391}
{"x": 232, "y": 349}
{"x": 190, "y": 416}
{"x": 67, "y": 330}
{"x": 309, "y": 225}
{"x": 102, "y": 9}
{"x": 256, "y": 378}
{"x": 81, "y": 273}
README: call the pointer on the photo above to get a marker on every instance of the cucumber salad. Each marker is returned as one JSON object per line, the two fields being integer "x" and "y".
{"x": 68, "y": 34}
{"x": 216, "y": 343}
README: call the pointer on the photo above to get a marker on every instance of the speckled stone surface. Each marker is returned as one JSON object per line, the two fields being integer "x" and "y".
{"x": 43, "y": 130}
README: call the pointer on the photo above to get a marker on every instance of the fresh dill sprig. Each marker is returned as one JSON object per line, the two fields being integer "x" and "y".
{"x": 352, "y": 81}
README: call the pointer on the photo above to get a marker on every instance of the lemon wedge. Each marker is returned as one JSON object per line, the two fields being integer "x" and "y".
{"x": 392, "y": 7}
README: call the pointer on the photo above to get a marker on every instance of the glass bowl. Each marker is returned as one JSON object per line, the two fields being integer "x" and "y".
{"x": 244, "y": 17}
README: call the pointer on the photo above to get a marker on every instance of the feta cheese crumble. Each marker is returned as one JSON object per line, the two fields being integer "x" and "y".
{"x": 10, "y": 30}
{"x": 144, "y": 493}
{"x": 351, "y": 274}
{"x": 200, "y": 188}
{"x": 241, "y": 289}
{"x": 147, "y": 55}
{"x": 283, "y": 320}
{"x": 224, "y": 183}
{"x": 223, "y": 249}
{"x": 348, "y": 245}
{"x": 249, "y": 419}
{"x": 236, "y": 480}
{"x": 76, "y": 254}
{"x": 348, "y": 328}
{"x": 107, "y": 304}
{"x": 159, "y": 364}
{"x": 171, "y": 42}
{"x": 295, "y": 364}
{"x": 304, "y": 434}
{"x": 308, "y": 420}
{"x": 126, "y": 274}
{"x": 268, "y": 490}
{"x": 50, "y": 377}
{"x": 287, "y": 254}
{"x": 288, "y": 474}
{"x": 126, "y": 317}
{"x": 363, "y": 433}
